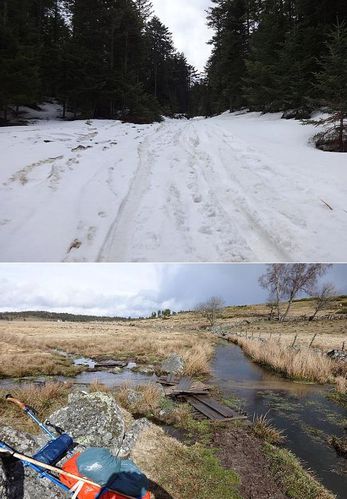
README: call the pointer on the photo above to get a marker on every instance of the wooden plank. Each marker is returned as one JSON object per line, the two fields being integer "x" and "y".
{"x": 204, "y": 409}
{"x": 174, "y": 391}
{"x": 225, "y": 411}
{"x": 184, "y": 384}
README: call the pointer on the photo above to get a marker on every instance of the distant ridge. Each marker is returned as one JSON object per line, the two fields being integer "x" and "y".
{"x": 56, "y": 316}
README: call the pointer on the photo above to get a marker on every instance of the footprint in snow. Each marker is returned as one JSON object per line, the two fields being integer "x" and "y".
{"x": 197, "y": 199}
{"x": 205, "y": 230}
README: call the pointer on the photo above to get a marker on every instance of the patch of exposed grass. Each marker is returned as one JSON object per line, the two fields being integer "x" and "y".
{"x": 27, "y": 347}
{"x": 183, "y": 472}
{"x": 307, "y": 365}
{"x": 44, "y": 399}
{"x": 21, "y": 364}
{"x": 339, "y": 398}
{"x": 198, "y": 431}
{"x": 196, "y": 361}
{"x": 291, "y": 477}
{"x": 263, "y": 428}
{"x": 340, "y": 445}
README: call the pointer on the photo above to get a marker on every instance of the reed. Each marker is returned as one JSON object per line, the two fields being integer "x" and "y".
{"x": 196, "y": 360}
{"x": 304, "y": 364}
{"x": 264, "y": 429}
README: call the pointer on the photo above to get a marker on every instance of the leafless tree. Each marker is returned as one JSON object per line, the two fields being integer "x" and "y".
{"x": 287, "y": 281}
{"x": 211, "y": 309}
{"x": 323, "y": 298}
{"x": 274, "y": 281}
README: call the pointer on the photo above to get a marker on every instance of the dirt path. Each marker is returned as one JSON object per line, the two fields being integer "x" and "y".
{"x": 239, "y": 450}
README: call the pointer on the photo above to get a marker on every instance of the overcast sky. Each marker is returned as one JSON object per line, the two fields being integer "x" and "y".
{"x": 186, "y": 19}
{"x": 132, "y": 289}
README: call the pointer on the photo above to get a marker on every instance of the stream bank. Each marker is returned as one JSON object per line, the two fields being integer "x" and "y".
{"x": 303, "y": 411}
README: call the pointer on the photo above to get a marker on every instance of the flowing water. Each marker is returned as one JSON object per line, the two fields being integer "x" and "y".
{"x": 302, "y": 411}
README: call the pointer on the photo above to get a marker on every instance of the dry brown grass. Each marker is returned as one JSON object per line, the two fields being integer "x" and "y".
{"x": 44, "y": 399}
{"x": 28, "y": 347}
{"x": 145, "y": 399}
{"x": 308, "y": 365}
{"x": 341, "y": 385}
{"x": 196, "y": 360}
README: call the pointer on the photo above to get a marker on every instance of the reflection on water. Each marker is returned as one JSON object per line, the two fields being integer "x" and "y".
{"x": 86, "y": 378}
{"x": 302, "y": 410}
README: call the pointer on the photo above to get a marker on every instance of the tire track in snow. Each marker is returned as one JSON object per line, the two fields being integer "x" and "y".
{"x": 117, "y": 245}
{"x": 240, "y": 235}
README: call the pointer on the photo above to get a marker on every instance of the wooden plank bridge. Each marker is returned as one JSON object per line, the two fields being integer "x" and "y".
{"x": 196, "y": 394}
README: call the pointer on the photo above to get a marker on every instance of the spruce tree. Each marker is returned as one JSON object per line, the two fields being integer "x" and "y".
{"x": 331, "y": 85}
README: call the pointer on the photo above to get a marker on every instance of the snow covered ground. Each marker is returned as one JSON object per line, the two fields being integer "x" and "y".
{"x": 231, "y": 188}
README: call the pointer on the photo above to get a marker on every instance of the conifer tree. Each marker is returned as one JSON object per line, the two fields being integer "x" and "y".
{"x": 331, "y": 86}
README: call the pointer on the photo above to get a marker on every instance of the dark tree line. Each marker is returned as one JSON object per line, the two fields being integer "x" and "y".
{"x": 99, "y": 58}
{"x": 277, "y": 55}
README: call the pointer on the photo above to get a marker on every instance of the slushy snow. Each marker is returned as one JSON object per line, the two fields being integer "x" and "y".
{"x": 237, "y": 187}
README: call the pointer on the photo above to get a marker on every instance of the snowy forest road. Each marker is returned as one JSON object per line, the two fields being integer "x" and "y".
{"x": 234, "y": 188}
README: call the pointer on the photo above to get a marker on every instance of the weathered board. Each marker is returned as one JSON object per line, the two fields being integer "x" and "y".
{"x": 212, "y": 409}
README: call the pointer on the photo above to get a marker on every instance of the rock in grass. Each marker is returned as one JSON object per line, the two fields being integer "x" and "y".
{"x": 132, "y": 436}
{"x": 173, "y": 364}
{"x": 92, "y": 419}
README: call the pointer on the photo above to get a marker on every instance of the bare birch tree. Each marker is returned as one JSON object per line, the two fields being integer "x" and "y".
{"x": 285, "y": 282}
{"x": 323, "y": 298}
{"x": 211, "y": 309}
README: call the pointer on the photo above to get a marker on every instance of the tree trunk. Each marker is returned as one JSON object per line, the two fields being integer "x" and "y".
{"x": 283, "y": 318}
{"x": 341, "y": 133}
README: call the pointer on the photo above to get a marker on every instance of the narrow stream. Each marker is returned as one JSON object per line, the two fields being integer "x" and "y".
{"x": 302, "y": 411}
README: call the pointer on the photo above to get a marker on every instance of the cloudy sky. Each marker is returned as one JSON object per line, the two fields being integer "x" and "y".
{"x": 186, "y": 19}
{"x": 134, "y": 289}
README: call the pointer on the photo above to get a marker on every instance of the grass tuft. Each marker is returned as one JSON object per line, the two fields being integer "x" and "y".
{"x": 263, "y": 429}
{"x": 45, "y": 399}
{"x": 307, "y": 365}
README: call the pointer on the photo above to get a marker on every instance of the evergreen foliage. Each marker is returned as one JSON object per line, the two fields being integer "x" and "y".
{"x": 266, "y": 54}
{"x": 331, "y": 86}
{"x": 99, "y": 58}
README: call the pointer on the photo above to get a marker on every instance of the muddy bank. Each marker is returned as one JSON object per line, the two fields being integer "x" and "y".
{"x": 238, "y": 449}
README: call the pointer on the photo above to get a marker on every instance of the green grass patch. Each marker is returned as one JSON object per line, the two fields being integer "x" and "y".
{"x": 291, "y": 477}
{"x": 196, "y": 472}
{"x": 198, "y": 431}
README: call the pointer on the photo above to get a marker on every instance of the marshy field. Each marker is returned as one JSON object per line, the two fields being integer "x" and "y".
{"x": 279, "y": 374}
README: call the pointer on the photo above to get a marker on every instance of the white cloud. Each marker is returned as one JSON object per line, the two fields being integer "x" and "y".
{"x": 186, "y": 19}
{"x": 132, "y": 289}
